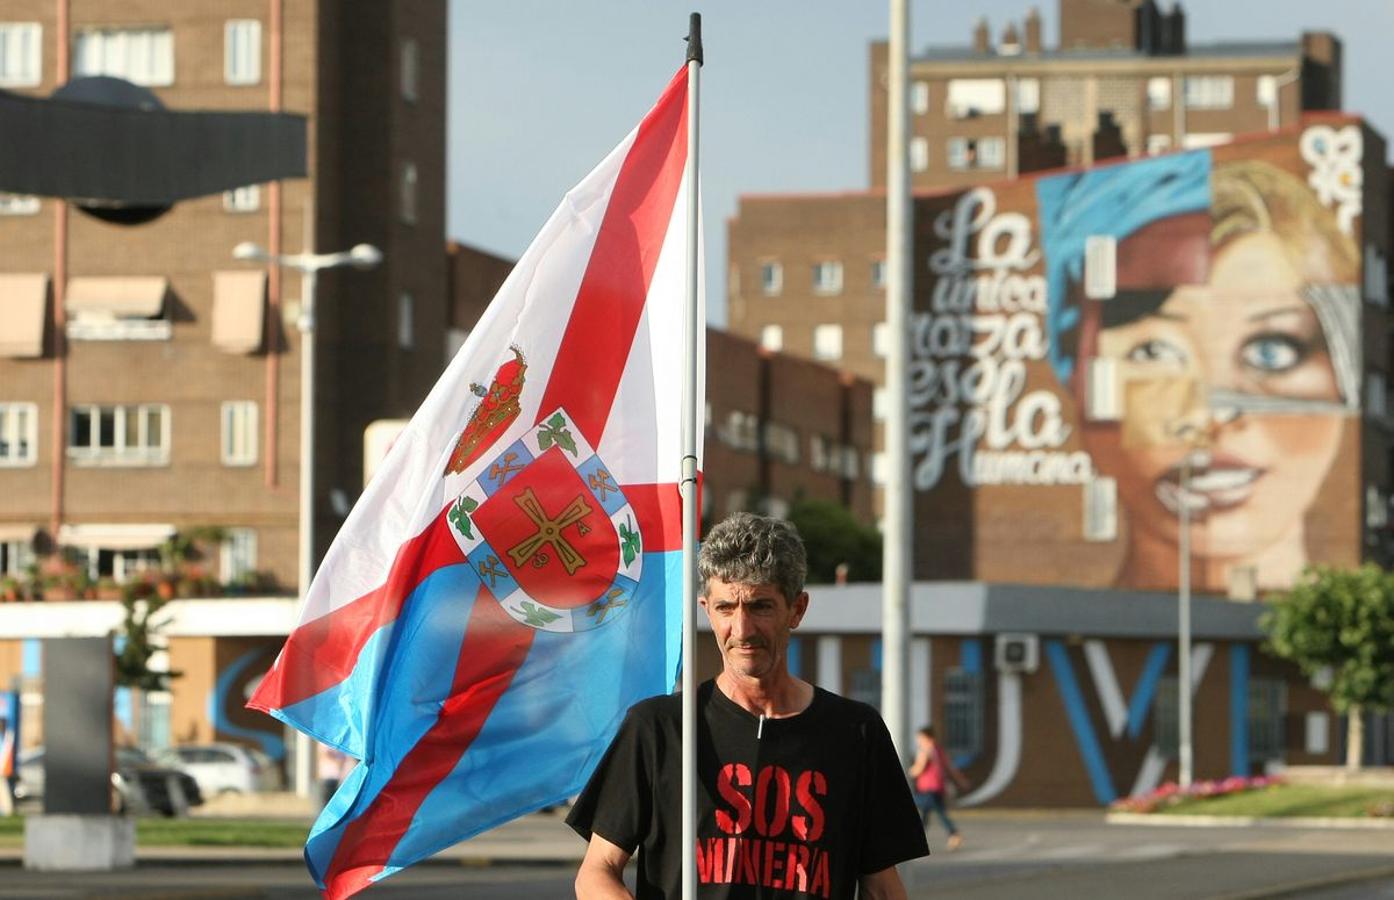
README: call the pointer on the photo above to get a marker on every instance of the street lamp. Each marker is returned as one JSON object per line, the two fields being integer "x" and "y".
{"x": 362, "y": 257}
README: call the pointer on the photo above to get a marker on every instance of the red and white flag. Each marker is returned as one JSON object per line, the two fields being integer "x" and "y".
{"x": 509, "y": 582}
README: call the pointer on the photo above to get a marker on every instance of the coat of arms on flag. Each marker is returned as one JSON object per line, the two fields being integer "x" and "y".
{"x": 548, "y": 531}
{"x": 510, "y": 581}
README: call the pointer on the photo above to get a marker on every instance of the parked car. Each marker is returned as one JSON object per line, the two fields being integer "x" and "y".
{"x": 138, "y": 784}
{"x": 224, "y": 768}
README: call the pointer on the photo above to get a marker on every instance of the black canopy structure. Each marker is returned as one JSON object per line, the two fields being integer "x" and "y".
{"x": 108, "y": 144}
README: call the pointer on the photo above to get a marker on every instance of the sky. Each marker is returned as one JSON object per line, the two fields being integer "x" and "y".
{"x": 540, "y": 90}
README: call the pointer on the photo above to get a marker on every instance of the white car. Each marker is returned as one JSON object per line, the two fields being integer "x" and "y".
{"x": 225, "y": 768}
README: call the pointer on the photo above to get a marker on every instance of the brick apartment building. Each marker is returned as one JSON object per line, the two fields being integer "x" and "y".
{"x": 178, "y": 400}
{"x": 149, "y": 383}
{"x": 1123, "y": 81}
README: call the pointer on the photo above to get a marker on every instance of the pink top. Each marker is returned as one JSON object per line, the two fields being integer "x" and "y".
{"x": 932, "y": 778}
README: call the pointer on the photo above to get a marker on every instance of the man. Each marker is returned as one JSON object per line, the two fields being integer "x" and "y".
{"x": 800, "y": 791}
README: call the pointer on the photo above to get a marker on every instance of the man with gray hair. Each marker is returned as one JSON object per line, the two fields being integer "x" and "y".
{"x": 800, "y": 792}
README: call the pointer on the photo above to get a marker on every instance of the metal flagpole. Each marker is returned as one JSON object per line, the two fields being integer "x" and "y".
{"x": 695, "y": 332}
{"x": 1183, "y": 667}
{"x": 895, "y": 600}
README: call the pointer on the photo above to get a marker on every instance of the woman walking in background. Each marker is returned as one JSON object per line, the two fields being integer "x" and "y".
{"x": 928, "y": 771}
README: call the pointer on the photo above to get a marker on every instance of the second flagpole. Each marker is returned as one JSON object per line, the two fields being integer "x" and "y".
{"x": 695, "y": 332}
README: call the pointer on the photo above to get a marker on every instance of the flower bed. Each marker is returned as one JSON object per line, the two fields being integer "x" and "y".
{"x": 1172, "y": 793}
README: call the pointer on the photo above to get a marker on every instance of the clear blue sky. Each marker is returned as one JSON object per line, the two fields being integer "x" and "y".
{"x": 541, "y": 90}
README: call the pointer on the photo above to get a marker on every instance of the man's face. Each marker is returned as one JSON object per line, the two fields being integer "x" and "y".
{"x": 752, "y": 624}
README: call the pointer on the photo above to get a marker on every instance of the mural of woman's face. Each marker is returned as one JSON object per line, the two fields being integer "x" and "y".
{"x": 1247, "y": 331}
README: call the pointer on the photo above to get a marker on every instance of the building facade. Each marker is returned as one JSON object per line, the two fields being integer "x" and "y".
{"x": 1123, "y": 81}
{"x": 150, "y": 393}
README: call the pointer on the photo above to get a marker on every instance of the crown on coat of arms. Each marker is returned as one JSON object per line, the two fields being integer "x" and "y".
{"x": 498, "y": 408}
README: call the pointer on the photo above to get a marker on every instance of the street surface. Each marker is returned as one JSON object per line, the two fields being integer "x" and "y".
{"x": 1064, "y": 855}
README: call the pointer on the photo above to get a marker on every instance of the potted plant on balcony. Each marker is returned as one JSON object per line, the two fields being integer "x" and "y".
{"x": 108, "y": 589}
{"x": 10, "y": 589}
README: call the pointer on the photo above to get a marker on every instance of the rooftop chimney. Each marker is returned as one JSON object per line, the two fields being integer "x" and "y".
{"x": 982, "y": 39}
{"x": 1173, "y": 37}
{"x": 1011, "y": 41}
{"x": 1033, "y": 31}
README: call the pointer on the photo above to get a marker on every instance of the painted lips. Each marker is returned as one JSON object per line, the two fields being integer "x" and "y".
{"x": 1215, "y": 483}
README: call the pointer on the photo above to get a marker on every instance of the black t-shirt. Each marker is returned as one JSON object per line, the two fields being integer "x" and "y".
{"x": 799, "y": 807}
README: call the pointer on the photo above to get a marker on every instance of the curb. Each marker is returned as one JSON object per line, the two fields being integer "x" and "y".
{"x": 1296, "y": 822}
{"x": 1359, "y": 876}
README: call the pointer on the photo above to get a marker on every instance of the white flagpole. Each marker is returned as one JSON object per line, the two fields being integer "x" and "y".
{"x": 896, "y": 554}
{"x": 696, "y": 331}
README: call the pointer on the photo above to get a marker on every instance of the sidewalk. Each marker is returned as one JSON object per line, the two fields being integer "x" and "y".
{"x": 538, "y": 839}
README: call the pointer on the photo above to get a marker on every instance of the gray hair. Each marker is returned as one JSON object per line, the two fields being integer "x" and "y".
{"x": 749, "y": 549}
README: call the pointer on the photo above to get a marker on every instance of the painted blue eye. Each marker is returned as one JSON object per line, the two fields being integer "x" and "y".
{"x": 1157, "y": 351}
{"x": 1271, "y": 353}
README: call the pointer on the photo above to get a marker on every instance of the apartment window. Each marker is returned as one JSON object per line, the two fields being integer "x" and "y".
{"x": 1159, "y": 93}
{"x": 878, "y": 274}
{"x": 1103, "y": 391}
{"x": 19, "y": 205}
{"x": 992, "y": 153}
{"x": 880, "y": 404}
{"x": 1267, "y": 718}
{"x": 740, "y": 430}
{"x": 772, "y": 338}
{"x": 1100, "y": 509}
{"x": 19, "y": 424}
{"x": 1376, "y": 276}
{"x": 243, "y": 199}
{"x": 850, "y": 465}
{"x": 1376, "y": 508}
{"x": 1028, "y": 95}
{"x": 782, "y": 442}
{"x": 771, "y": 278}
{"x": 21, "y": 54}
{"x": 919, "y": 97}
{"x": 827, "y": 342}
{"x": 411, "y": 69}
{"x": 406, "y": 316}
{"x": 1376, "y": 391}
{"x": 881, "y": 339}
{"x": 142, "y": 56}
{"x": 129, "y": 435}
{"x": 963, "y": 712}
{"x": 1210, "y": 91}
{"x": 16, "y": 557}
{"x": 960, "y": 153}
{"x": 827, "y": 277}
{"x": 242, "y": 51}
{"x": 1158, "y": 143}
{"x": 239, "y": 433}
{"x": 408, "y": 198}
{"x": 238, "y": 555}
{"x": 969, "y": 97}
{"x": 1266, "y": 90}
{"x": 919, "y": 154}
{"x": 879, "y": 468}
{"x": 817, "y": 452}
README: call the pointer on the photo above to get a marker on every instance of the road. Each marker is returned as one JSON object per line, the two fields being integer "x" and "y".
{"x": 1062, "y": 856}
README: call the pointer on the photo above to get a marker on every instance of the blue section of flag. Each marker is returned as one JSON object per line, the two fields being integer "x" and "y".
{"x": 504, "y": 467}
{"x": 542, "y": 739}
{"x": 549, "y": 731}
{"x": 406, "y": 698}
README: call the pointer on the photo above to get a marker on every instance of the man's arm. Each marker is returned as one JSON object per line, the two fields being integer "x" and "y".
{"x": 882, "y": 885}
{"x": 601, "y": 876}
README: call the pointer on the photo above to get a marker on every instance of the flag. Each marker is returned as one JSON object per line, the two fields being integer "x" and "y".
{"x": 510, "y": 581}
